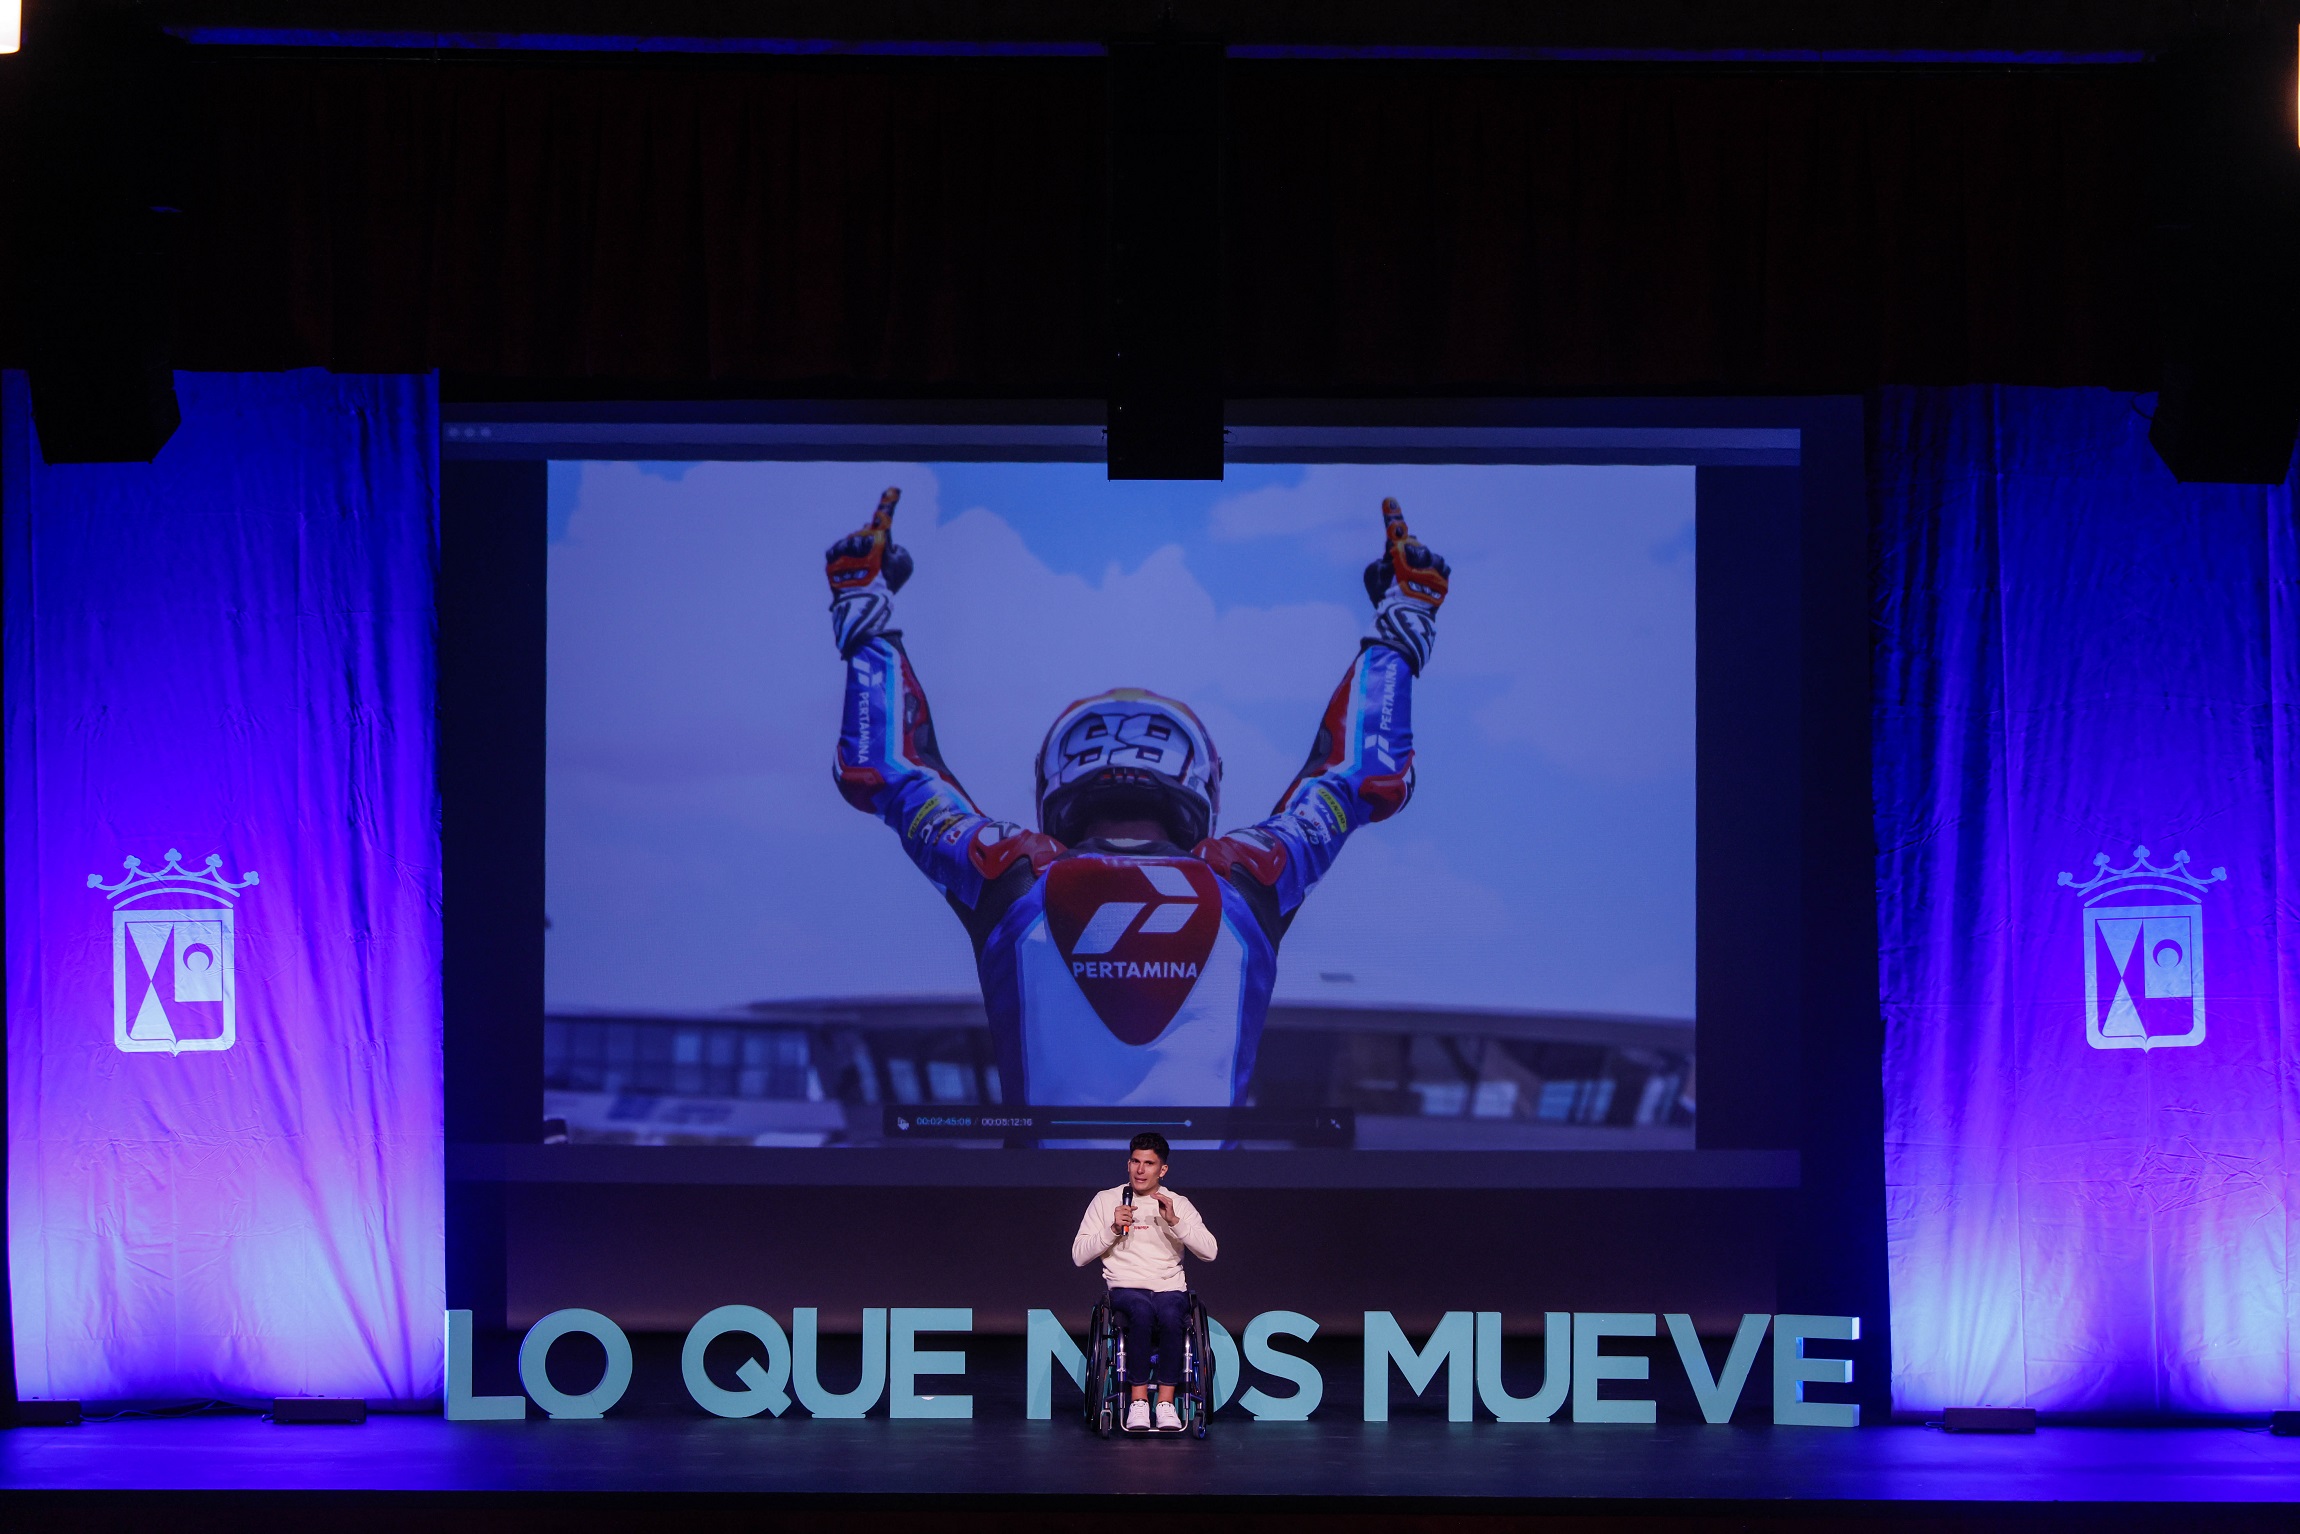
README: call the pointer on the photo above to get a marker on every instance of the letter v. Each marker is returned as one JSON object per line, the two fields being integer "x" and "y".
{"x": 1719, "y": 1396}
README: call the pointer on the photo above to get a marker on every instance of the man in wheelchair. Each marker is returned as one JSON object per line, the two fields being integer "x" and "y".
{"x": 1139, "y": 1232}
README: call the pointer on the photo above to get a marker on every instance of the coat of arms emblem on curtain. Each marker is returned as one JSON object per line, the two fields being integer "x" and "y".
{"x": 172, "y": 956}
{"x": 2143, "y": 931}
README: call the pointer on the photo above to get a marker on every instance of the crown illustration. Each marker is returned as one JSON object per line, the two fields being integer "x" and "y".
{"x": 2142, "y": 871}
{"x": 173, "y": 878}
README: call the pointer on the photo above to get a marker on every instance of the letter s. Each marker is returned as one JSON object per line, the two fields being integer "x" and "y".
{"x": 1309, "y": 1384}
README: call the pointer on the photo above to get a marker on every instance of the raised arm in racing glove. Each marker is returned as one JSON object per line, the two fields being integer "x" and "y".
{"x": 866, "y": 569}
{"x": 887, "y": 762}
{"x": 1408, "y": 585}
{"x": 1361, "y": 763}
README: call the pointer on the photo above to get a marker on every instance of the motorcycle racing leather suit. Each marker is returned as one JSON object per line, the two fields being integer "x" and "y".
{"x": 1131, "y": 973}
{"x": 1135, "y": 973}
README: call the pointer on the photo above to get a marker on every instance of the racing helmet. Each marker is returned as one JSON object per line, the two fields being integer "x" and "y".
{"x": 1128, "y": 754}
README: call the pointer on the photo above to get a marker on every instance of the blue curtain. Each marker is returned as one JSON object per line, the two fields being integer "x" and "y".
{"x": 2088, "y": 879}
{"x": 224, "y": 1111}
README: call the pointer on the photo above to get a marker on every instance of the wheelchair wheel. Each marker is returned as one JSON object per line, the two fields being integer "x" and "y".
{"x": 1101, "y": 1410}
{"x": 1201, "y": 1381}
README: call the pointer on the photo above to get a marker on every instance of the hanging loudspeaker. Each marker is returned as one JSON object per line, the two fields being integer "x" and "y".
{"x": 2228, "y": 199}
{"x": 1165, "y": 170}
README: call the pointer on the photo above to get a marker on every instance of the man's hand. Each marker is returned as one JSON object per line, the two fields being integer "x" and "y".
{"x": 859, "y": 558}
{"x": 1166, "y": 1210}
{"x": 1407, "y": 566}
{"x": 1122, "y": 1220}
{"x": 1408, "y": 584}
{"x": 866, "y": 568}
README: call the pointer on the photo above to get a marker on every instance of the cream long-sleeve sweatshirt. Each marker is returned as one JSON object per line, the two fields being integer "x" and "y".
{"x": 1150, "y": 1255}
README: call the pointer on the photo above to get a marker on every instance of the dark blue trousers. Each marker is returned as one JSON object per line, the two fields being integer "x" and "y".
{"x": 1142, "y": 1312}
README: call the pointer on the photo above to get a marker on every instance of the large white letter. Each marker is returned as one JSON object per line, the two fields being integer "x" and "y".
{"x": 1309, "y": 1384}
{"x": 1048, "y": 1344}
{"x": 807, "y": 1384}
{"x": 1451, "y": 1345}
{"x": 1556, "y": 1372}
{"x": 906, "y": 1363}
{"x": 1792, "y": 1371}
{"x": 1590, "y": 1366}
{"x": 535, "y": 1364}
{"x": 462, "y": 1405}
{"x": 765, "y": 1392}
{"x": 1718, "y": 1397}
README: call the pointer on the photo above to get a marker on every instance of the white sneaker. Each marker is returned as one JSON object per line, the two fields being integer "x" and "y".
{"x": 1169, "y": 1420}
{"x": 1138, "y": 1417}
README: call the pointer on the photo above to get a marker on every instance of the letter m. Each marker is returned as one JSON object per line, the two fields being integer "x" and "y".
{"x": 1453, "y": 1344}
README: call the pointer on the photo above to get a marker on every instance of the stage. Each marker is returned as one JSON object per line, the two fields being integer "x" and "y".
{"x": 1770, "y": 530}
{"x": 240, "y": 1469}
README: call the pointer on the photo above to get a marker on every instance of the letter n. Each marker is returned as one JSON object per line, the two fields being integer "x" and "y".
{"x": 1049, "y": 1343}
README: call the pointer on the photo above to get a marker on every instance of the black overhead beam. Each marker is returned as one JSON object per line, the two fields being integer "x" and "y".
{"x": 2042, "y": 26}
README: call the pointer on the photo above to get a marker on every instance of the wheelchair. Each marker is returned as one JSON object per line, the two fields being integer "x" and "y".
{"x": 1106, "y": 1384}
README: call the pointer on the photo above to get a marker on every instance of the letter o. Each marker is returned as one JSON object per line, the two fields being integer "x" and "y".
{"x": 766, "y": 1386}
{"x": 1225, "y": 1362}
{"x": 535, "y": 1369}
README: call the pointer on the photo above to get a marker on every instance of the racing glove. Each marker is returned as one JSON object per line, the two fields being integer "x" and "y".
{"x": 1408, "y": 585}
{"x": 866, "y": 569}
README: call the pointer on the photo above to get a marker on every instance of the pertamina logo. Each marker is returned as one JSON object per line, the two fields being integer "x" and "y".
{"x": 1134, "y": 934}
{"x": 173, "y": 970}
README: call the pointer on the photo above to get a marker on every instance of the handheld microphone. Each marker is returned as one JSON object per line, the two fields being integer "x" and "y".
{"x": 1127, "y": 1198}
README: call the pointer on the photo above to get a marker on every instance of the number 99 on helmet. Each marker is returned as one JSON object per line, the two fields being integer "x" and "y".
{"x": 1128, "y": 754}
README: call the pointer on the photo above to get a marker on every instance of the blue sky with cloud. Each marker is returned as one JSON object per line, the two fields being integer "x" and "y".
{"x": 698, "y": 856}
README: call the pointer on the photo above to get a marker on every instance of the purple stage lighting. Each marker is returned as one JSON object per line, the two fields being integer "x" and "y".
{"x": 224, "y": 1108}
{"x": 2087, "y": 770}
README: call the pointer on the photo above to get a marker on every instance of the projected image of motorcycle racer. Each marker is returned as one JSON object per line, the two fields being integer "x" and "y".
{"x": 1127, "y": 951}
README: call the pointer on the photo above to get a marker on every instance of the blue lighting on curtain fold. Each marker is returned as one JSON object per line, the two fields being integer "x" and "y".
{"x": 224, "y": 1107}
{"x": 2092, "y": 1070}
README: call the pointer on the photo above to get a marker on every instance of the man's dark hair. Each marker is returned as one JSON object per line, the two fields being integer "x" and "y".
{"x": 1149, "y": 1141}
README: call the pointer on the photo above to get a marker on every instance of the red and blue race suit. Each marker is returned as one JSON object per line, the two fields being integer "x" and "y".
{"x": 1135, "y": 973}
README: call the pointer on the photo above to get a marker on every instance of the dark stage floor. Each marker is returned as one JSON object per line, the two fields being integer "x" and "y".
{"x": 1416, "y": 1459}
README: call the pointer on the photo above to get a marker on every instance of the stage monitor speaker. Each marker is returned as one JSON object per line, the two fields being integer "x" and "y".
{"x": 307, "y": 1410}
{"x": 47, "y": 1414}
{"x": 1988, "y": 1419}
{"x": 2228, "y": 200}
{"x": 2284, "y": 1424}
{"x": 1165, "y": 273}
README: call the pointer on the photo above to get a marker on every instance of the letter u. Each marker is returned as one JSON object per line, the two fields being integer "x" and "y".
{"x": 807, "y": 1385}
{"x": 1556, "y": 1374}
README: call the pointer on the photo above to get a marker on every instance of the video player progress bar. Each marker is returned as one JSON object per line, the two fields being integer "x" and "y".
{"x": 1299, "y": 1126}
